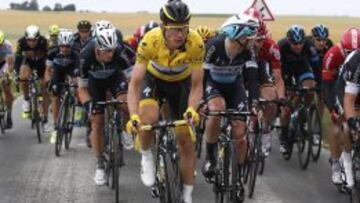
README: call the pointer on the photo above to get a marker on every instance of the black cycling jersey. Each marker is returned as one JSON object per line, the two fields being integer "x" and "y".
{"x": 91, "y": 66}
{"x": 221, "y": 69}
{"x": 79, "y": 44}
{"x": 24, "y": 54}
{"x": 300, "y": 66}
{"x": 329, "y": 43}
{"x": 57, "y": 60}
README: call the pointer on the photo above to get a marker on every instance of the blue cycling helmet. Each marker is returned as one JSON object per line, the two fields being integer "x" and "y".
{"x": 296, "y": 34}
{"x": 320, "y": 31}
{"x": 240, "y": 25}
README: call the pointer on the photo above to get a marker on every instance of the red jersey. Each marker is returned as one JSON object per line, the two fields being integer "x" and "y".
{"x": 270, "y": 53}
{"x": 332, "y": 62}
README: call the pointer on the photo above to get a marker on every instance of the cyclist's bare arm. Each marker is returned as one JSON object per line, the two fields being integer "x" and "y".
{"x": 196, "y": 91}
{"x": 135, "y": 86}
{"x": 84, "y": 95}
{"x": 279, "y": 83}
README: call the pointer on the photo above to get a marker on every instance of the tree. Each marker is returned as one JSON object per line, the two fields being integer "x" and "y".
{"x": 58, "y": 7}
{"x": 46, "y": 8}
{"x": 33, "y": 5}
{"x": 69, "y": 7}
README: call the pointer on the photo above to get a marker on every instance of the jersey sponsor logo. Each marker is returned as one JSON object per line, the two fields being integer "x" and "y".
{"x": 147, "y": 91}
{"x": 328, "y": 61}
{"x": 275, "y": 52}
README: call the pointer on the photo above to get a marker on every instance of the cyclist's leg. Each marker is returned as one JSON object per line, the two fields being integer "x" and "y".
{"x": 41, "y": 67}
{"x": 268, "y": 92}
{"x": 178, "y": 102}
{"x": 236, "y": 98}
{"x": 8, "y": 96}
{"x": 149, "y": 114}
{"x": 25, "y": 74}
{"x": 97, "y": 90}
{"x": 56, "y": 89}
{"x": 216, "y": 102}
{"x": 119, "y": 90}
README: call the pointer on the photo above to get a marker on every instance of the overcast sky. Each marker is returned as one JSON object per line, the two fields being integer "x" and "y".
{"x": 278, "y": 7}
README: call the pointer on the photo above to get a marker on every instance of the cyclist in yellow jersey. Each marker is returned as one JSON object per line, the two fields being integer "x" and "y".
{"x": 168, "y": 66}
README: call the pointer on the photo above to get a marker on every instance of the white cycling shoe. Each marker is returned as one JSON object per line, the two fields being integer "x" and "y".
{"x": 347, "y": 163}
{"x": 147, "y": 172}
{"x": 99, "y": 177}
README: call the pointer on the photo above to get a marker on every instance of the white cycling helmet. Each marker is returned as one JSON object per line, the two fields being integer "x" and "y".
{"x": 102, "y": 24}
{"x": 32, "y": 32}
{"x": 65, "y": 37}
{"x": 240, "y": 25}
{"x": 106, "y": 38}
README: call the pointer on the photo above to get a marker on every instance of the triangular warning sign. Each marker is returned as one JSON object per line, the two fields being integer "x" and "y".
{"x": 264, "y": 9}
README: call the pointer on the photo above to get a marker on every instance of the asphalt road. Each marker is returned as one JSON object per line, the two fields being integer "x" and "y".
{"x": 30, "y": 172}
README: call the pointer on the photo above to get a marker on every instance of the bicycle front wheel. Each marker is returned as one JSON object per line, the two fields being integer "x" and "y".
{"x": 303, "y": 144}
{"x": 61, "y": 128}
{"x": 254, "y": 165}
{"x": 36, "y": 119}
{"x": 69, "y": 125}
{"x": 315, "y": 132}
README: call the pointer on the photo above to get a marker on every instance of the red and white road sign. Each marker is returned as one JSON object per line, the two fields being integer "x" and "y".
{"x": 264, "y": 9}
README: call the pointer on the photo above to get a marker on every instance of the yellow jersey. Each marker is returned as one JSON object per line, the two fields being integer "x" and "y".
{"x": 168, "y": 66}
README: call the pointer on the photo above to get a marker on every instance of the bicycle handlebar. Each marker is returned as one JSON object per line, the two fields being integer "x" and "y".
{"x": 164, "y": 124}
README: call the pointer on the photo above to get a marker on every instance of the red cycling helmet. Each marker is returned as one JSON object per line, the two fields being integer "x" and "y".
{"x": 350, "y": 40}
{"x": 256, "y": 14}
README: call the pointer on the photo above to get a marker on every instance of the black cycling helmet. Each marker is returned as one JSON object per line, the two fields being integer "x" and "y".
{"x": 175, "y": 11}
{"x": 296, "y": 34}
{"x": 84, "y": 25}
{"x": 150, "y": 25}
{"x": 320, "y": 31}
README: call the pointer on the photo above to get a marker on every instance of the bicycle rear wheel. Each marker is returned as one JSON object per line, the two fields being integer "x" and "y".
{"x": 315, "y": 132}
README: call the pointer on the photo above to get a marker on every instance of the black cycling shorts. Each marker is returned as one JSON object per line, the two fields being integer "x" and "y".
{"x": 175, "y": 93}
{"x": 98, "y": 88}
{"x": 300, "y": 71}
{"x": 59, "y": 77}
{"x": 233, "y": 93}
{"x": 39, "y": 66}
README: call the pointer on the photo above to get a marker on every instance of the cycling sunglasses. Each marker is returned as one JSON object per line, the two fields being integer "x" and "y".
{"x": 177, "y": 28}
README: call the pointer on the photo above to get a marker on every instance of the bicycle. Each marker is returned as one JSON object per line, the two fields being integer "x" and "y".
{"x": 35, "y": 102}
{"x": 168, "y": 184}
{"x": 227, "y": 184}
{"x": 255, "y": 160}
{"x": 304, "y": 124}
{"x": 65, "y": 121}
{"x": 113, "y": 154}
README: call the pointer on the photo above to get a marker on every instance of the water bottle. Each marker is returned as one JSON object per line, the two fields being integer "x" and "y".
{"x": 127, "y": 141}
{"x": 78, "y": 116}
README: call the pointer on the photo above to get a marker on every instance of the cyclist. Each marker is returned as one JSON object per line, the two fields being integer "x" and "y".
{"x": 228, "y": 62}
{"x": 332, "y": 62}
{"x": 83, "y": 36}
{"x": 61, "y": 63}
{"x": 6, "y": 66}
{"x": 350, "y": 83}
{"x": 205, "y": 32}
{"x": 320, "y": 38}
{"x": 267, "y": 51}
{"x": 54, "y": 31}
{"x": 169, "y": 58}
{"x": 298, "y": 57}
{"x": 101, "y": 69}
{"x": 139, "y": 33}
{"x": 31, "y": 55}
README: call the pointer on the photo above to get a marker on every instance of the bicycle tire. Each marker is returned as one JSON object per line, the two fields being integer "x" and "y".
{"x": 245, "y": 167}
{"x": 115, "y": 165}
{"x": 69, "y": 124}
{"x": 303, "y": 143}
{"x": 289, "y": 145}
{"x": 173, "y": 173}
{"x": 315, "y": 128}
{"x": 60, "y": 133}
{"x": 237, "y": 192}
{"x": 254, "y": 166}
{"x": 36, "y": 117}
{"x": 2, "y": 114}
